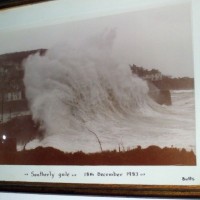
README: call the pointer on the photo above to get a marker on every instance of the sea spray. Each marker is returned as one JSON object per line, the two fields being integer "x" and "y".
{"x": 85, "y": 101}
{"x": 72, "y": 85}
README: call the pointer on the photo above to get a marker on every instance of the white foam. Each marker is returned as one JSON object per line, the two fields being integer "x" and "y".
{"x": 80, "y": 94}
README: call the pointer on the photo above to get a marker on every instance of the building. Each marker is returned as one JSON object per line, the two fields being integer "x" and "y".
{"x": 12, "y": 89}
{"x": 153, "y": 76}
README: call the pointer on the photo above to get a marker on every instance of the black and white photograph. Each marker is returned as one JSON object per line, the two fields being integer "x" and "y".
{"x": 110, "y": 90}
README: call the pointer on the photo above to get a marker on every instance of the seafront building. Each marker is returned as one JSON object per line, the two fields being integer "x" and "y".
{"x": 13, "y": 101}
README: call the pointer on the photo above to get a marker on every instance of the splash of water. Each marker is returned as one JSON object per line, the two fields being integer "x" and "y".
{"x": 72, "y": 87}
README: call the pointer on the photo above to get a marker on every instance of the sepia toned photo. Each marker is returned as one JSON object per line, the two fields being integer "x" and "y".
{"x": 111, "y": 90}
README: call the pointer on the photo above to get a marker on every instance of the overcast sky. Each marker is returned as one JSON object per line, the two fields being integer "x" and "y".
{"x": 158, "y": 38}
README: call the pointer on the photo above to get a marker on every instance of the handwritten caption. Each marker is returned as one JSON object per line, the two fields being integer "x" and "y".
{"x": 65, "y": 174}
{"x": 189, "y": 178}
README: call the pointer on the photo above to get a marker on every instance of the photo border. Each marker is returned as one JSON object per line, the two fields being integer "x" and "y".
{"x": 93, "y": 189}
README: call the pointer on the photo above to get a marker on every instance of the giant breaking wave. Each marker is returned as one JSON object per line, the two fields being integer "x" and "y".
{"x": 86, "y": 101}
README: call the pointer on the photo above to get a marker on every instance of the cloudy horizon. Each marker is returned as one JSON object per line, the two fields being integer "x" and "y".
{"x": 159, "y": 38}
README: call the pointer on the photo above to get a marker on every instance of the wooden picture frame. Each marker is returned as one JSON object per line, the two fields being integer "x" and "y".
{"x": 99, "y": 177}
{"x": 13, "y": 3}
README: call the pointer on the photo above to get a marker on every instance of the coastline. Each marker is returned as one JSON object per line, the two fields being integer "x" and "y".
{"x": 152, "y": 155}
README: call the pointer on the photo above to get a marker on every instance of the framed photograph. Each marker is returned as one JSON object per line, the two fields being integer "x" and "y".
{"x": 100, "y": 97}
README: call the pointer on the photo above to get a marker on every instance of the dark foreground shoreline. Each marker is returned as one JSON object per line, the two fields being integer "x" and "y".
{"x": 153, "y": 155}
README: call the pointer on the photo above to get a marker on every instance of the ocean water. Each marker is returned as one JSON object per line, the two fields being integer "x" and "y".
{"x": 85, "y": 101}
